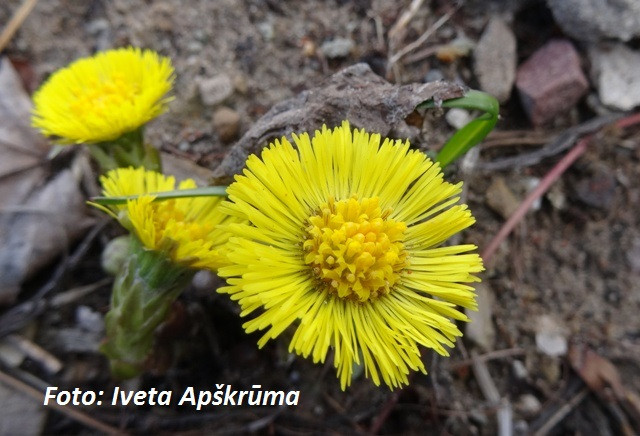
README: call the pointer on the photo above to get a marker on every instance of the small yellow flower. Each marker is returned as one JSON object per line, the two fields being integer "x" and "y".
{"x": 343, "y": 242}
{"x": 189, "y": 230}
{"x": 100, "y": 98}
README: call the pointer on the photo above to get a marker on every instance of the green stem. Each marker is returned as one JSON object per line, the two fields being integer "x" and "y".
{"x": 129, "y": 150}
{"x": 142, "y": 294}
{"x": 472, "y": 133}
{"x": 205, "y": 191}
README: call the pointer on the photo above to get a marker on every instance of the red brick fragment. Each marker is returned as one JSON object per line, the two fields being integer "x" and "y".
{"x": 551, "y": 81}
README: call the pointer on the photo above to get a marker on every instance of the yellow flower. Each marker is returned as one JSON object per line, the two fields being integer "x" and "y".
{"x": 343, "y": 241}
{"x": 100, "y": 98}
{"x": 189, "y": 230}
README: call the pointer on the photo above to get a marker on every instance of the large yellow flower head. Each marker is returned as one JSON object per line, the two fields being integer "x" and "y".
{"x": 100, "y": 98}
{"x": 189, "y": 230}
{"x": 343, "y": 242}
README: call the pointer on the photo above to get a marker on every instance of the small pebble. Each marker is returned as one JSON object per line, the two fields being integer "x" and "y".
{"x": 214, "y": 90}
{"x": 433, "y": 76}
{"x": 240, "y": 84}
{"x": 204, "y": 280}
{"x": 457, "y": 118}
{"x": 519, "y": 370}
{"x": 226, "y": 122}
{"x": 480, "y": 328}
{"x": 520, "y": 427}
{"x": 115, "y": 254}
{"x": 89, "y": 320}
{"x": 550, "y": 337}
{"x": 337, "y": 48}
{"x": 528, "y": 405}
{"x": 556, "y": 197}
{"x": 500, "y": 198}
{"x": 266, "y": 30}
{"x": 495, "y": 59}
{"x": 597, "y": 191}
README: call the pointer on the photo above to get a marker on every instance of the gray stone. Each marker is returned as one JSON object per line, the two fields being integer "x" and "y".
{"x": 551, "y": 81}
{"x": 495, "y": 59}
{"x": 337, "y": 48}
{"x": 615, "y": 73}
{"x": 595, "y": 20}
{"x": 214, "y": 90}
{"x": 480, "y": 327}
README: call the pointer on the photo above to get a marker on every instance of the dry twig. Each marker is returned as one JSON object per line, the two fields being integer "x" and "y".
{"x": 545, "y": 184}
{"x": 393, "y": 59}
{"x": 561, "y": 413}
{"x": 498, "y": 354}
{"x": 15, "y": 22}
{"x": 384, "y": 413}
{"x": 47, "y": 360}
{"x": 490, "y": 392}
{"x": 561, "y": 142}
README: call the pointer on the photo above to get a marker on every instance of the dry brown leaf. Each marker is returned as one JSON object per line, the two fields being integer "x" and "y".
{"x": 22, "y": 149}
{"x": 596, "y": 371}
{"x": 602, "y": 377}
{"x": 356, "y": 94}
{"x": 38, "y": 217}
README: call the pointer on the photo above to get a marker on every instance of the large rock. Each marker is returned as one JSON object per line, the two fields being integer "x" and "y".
{"x": 495, "y": 59}
{"x": 595, "y": 20}
{"x": 551, "y": 81}
{"x": 615, "y": 72}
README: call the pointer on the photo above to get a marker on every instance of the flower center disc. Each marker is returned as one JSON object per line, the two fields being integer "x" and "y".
{"x": 104, "y": 95}
{"x": 168, "y": 216}
{"x": 354, "y": 249}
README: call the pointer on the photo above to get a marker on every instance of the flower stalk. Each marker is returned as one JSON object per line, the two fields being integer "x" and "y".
{"x": 143, "y": 291}
{"x": 127, "y": 150}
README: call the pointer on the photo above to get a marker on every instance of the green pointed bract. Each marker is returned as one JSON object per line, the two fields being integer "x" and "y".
{"x": 143, "y": 292}
{"x": 129, "y": 150}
